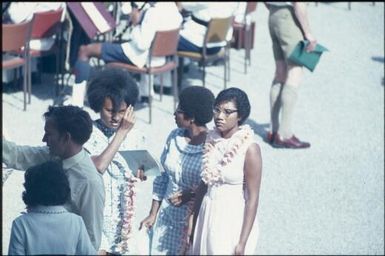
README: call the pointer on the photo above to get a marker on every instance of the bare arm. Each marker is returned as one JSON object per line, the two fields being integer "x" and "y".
{"x": 149, "y": 221}
{"x": 104, "y": 159}
{"x": 253, "y": 173}
{"x": 300, "y": 11}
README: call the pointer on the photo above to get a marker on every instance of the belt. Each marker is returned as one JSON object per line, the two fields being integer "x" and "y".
{"x": 199, "y": 21}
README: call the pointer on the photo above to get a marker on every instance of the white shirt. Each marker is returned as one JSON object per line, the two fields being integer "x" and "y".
{"x": 205, "y": 11}
{"x": 162, "y": 16}
{"x": 49, "y": 230}
{"x": 86, "y": 183}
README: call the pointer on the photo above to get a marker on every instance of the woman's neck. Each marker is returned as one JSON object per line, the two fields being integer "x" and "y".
{"x": 196, "y": 135}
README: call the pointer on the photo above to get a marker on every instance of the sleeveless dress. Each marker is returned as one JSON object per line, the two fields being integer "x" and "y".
{"x": 220, "y": 218}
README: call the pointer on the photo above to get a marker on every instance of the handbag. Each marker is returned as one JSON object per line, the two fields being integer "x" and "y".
{"x": 307, "y": 59}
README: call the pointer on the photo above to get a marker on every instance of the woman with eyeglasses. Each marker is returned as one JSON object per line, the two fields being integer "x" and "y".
{"x": 182, "y": 162}
{"x": 232, "y": 169}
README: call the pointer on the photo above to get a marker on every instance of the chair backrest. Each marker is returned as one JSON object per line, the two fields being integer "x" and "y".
{"x": 15, "y": 36}
{"x": 217, "y": 29}
{"x": 250, "y": 7}
{"x": 165, "y": 43}
{"x": 45, "y": 24}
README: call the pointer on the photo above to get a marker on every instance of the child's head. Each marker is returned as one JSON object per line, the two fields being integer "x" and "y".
{"x": 46, "y": 184}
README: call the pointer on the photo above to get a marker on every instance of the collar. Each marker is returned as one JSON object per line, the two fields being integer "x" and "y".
{"x": 52, "y": 209}
{"x": 69, "y": 162}
{"x": 107, "y": 131}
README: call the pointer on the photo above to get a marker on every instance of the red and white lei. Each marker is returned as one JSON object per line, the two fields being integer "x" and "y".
{"x": 127, "y": 211}
{"x": 216, "y": 157}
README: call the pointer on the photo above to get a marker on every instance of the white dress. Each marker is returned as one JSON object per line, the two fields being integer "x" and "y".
{"x": 220, "y": 217}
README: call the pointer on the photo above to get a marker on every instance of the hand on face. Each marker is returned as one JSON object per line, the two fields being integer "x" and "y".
{"x": 128, "y": 120}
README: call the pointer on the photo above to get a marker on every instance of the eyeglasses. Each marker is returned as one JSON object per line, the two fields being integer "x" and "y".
{"x": 227, "y": 112}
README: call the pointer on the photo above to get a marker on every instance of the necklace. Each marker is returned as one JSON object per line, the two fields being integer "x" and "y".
{"x": 216, "y": 158}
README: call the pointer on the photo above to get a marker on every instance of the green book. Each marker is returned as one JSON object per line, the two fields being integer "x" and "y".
{"x": 308, "y": 59}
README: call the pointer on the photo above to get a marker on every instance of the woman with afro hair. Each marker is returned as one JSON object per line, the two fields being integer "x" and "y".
{"x": 182, "y": 161}
{"x": 113, "y": 93}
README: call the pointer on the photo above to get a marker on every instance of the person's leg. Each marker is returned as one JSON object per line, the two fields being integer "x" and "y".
{"x": 275, "y": 93}
{"x": 289, "y": 97}
{"x": 82, "y": 70}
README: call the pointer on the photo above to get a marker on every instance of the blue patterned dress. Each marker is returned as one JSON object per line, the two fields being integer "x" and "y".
{"x": 182, "y": 164}
{"x": 121, "y": 222}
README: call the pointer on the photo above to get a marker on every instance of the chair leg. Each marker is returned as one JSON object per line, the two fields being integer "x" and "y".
{"x": 204, "y": 73}
{"x": 180, "y": 72}
{"x": 29, "y": 79}
{"x": 245, "y": 44}
{"x": 25, "y": 88}
{"x": 228, "y": 63}
{"x": 175, "y": 87}
{"x": 161, "y": 86}
{"x": 149, "y": 98}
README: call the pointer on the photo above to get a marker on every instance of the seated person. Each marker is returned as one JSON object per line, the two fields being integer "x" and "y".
{"x": 48, "y": 228}
{"x": 159, "y": 17}
{"x": 194, "y": 29}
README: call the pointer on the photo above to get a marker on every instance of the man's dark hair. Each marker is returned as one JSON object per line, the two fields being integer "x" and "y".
{"x": 240, "y": 100}
{"x": 73, "y": 120}
{"x": 114, "y": 83}
{"x": 46, "y": 184}
{"x": 197, "y": 103}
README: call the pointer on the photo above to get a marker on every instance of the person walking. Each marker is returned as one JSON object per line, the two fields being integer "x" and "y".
{"x": 288, "y": 24}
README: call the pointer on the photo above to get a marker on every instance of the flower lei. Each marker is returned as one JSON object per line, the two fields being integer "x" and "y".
{"x": 126, "y": 213}
{"x": 215, "y": 159}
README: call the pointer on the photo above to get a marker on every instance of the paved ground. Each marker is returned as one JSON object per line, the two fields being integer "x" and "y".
{"x": 328, "y": 199}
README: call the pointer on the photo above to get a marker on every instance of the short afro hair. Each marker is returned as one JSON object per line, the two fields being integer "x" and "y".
{"x": 114, "y": 83}
{"x": 73, "y": 120}
{"x": 240, "y": 100}
{"x": 197, "y": 103}
{"x": 46, "y": 184}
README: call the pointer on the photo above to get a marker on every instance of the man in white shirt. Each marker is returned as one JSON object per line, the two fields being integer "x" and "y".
{"x": 194, "y": 29}
{"x": 66, "y": 130}
{"x": 159, "y": 16}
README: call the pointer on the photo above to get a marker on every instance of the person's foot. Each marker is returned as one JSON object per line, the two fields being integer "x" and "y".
{"x": 269, "y": 138}
{"x": 166, "y": 90}
{"x": 144, "y": 100}
{"x": 293, "y": 142}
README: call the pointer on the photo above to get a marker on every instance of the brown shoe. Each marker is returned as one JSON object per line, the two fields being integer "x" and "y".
{"x": 269, "y": 138}
{"x": 292, "y": 142}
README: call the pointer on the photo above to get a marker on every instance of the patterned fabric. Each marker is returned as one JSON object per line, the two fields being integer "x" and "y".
{"x": 107, "y": 131}
{"x": 120, "y": 188}
{"x": 182, "y": 163}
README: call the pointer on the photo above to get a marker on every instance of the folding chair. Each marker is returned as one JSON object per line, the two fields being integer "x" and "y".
{"x": 216, "y": 32}
{"x": 46, "y": 25}
{"x": 244, "y": 34}
{"x": 164, "y": 44}
{"x": 15, "y": 41}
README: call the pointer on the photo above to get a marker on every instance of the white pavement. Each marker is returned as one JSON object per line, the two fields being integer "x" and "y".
{"x": 328, "y": 199}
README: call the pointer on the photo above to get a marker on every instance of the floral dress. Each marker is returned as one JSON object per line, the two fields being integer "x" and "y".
{"x": 220, "y": 218}
{"x": 182, "y": 163}
{"x": 121, "y": 187}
